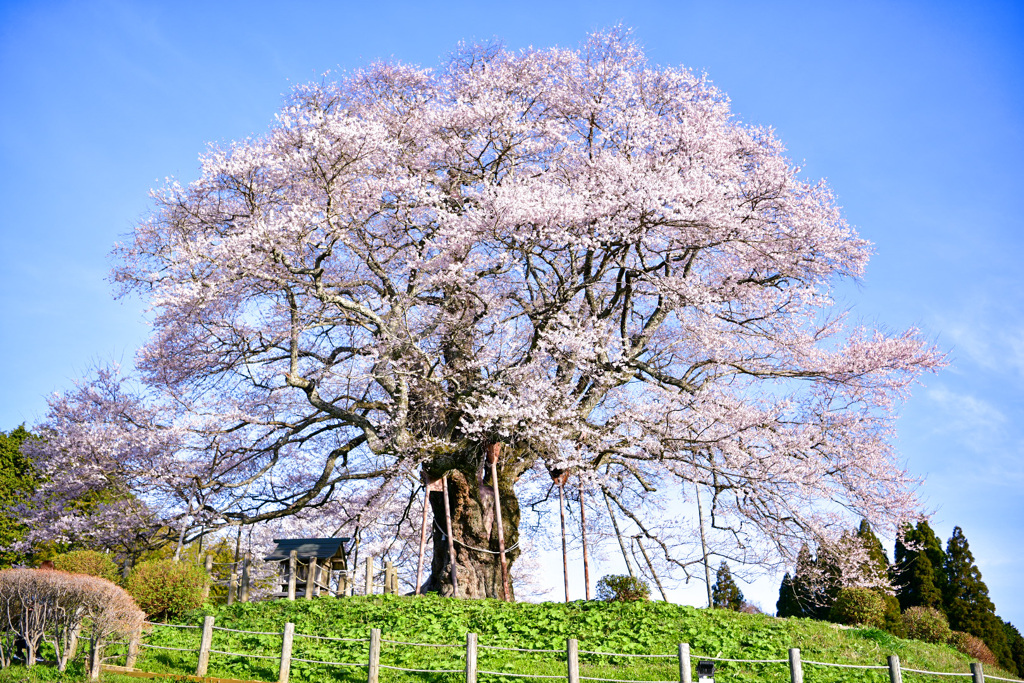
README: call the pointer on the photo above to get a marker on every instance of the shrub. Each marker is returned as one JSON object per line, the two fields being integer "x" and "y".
{"x": 927, "y": 624}
{"x": 164, "y": 588}
{"x": 973, "y": 647}
{"x": 858, "y": 606}
{"x": 619, "y": 587}
{"x": 87, "y": 562}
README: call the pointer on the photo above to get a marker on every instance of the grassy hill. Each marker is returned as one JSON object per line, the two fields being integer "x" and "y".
{"x": 642, "y": 627}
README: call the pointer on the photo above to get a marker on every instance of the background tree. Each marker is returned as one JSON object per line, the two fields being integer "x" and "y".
{"x": 966, "y": 599}
{"x": 725, "y": 594}
{"x": 17, "y": 481}
{"x": 573, "y": 253}
{"x": 1016, "y": 645}
{"x": 915, "y": 575}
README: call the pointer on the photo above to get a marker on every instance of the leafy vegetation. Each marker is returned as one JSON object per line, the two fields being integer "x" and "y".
{"x": 164, "y": 588}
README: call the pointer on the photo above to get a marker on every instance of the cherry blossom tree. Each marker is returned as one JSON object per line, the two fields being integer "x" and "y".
{"x": 574, "y": 253}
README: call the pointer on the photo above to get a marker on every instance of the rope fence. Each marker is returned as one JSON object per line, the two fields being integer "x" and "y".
{"x": 570, "y": 656}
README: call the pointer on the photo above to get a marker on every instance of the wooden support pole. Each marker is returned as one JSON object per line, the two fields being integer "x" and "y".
{"x": 133, "y": 649}
{"x": 704, "y": 548}
{"x": 287, "y": 636}
{"x": 796, "y": 669}
{"x": 368, "y": 582}
{"x": 685, "y": 673}
{"x": 374, "y": 667}
{"x": 451, "y": 538}
{"x": 244, "y": 597}
{"x": 572, "y": 658}
{"x": 311, "y": 567}
{"x": 233, "y": 583}
{"x": 618, "y": 535}
{"x": 205, "y": 643}
{"x": 493, "y": 453}
{"x": 583, "y": 538}
{"x": 423, "y": 532}
{"x": 650, "y": 566}
{"x": 565, "y": 546}
{"x": 209, "y": 577}
{"x": 895, "y": 674}
{"x": 293, "y": 562}
{"x": 470, "y": 658}
{"x": 977, "y": 673}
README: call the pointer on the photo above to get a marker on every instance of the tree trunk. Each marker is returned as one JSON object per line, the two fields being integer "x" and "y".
{"x": 471, "y": 497}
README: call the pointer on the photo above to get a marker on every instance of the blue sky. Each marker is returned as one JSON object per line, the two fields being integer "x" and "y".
{"x": 912, "y": 111}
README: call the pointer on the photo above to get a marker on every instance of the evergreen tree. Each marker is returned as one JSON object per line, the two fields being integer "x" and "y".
{"x": 914, "y": 573}
{"x": 1016, "y": 644}
{"x": 17, "y": 481}
{"x": 801, "y": 594}
{"x": 966, "y": 599}
{"x": 878, "y": 561}
{"x": 787, "y": 605}
{"x": 725, "y": 594}
{"x": 932, "y": 547}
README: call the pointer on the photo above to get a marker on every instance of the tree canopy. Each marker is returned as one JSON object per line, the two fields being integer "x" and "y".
{"x": 574, "y": 253}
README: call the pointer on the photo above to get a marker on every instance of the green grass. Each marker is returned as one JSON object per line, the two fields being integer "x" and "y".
{"x": 649, "y": 627}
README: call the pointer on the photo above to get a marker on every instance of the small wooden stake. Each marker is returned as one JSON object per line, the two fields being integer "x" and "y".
{"x": 895, "y": 674}
{"x": 977, "y": 673}
{"x": 572, "y": 658}
{"x": 493, "y": 453}
{"x": 204, "y": 646}
{"x": 796, "y": 669}
{"x": 374, "y": 667}
{"x": 470, "y": 658}
{"x": 451, "y": 539}
{"x": 286, "y": 652}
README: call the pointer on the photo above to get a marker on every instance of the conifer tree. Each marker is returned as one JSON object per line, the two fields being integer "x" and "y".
{"x": 966, "y": 599}
{"x": 1016, "y": 644}
{"x": 914, "y": 573}
{"x": 801, "y": 594}
{"x": 787, "y": 605}
{"x": 17, "y": 481}
{"x": 725, "y": 594}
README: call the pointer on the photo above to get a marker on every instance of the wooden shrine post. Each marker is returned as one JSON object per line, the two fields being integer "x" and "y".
{"x": 493, "y": 453}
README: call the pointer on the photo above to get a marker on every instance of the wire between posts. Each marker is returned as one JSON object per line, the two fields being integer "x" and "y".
{"x": 255, "y": 633}
{"x": 623, "y": 654}
{"x": 850, "y": 666}
{"x": 424, "y": 671}
{"x": 943, "y": 673}
{"x": 347, "y": 640}
{"x": 620, "y": 680}
{"x": 157, "y": 623}
{"x": 998, "y": 678}
{"x": 519, "y": 649}
{"x": 316, "y": 661}
{"x": 402, "y": 642}
{"x": 163, "y": 647}
{"x": 509, "y": 673}
{"x": 239, "y": 654}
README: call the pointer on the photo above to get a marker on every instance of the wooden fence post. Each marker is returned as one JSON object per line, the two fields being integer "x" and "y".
{"x": 233, "y": 583}
{"x": 286, "y": 652}
{"x": 895, "y": 675}
{"x": 209, "y": 577}
{"x": 685, "y": 673}
{"x": 977, "y": 673}
{"x": 293, "y": 562}
{"x": 244, "y": 597}
{"x": 369, "y": 576}
{"x": 310, "y": 577}
{"x": 204, "y": 646}
{"x": 388, "y": 570}
{"x": 572, "y": 658}
{"x": 133, "y": 649}
{"x": 373, "y": 675}
{"x": 470, "y": 658}
{"x": 796, "y": 669}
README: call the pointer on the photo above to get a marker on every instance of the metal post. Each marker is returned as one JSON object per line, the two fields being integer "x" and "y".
{"x": 796, "y": 669}
{"x": 451, "y": 538}
{"x": 977, "y": 673}
{"x": 895, "y": 675}
{"x": 293, "y": 561}
{"x": 368, "y": 588}
{"x": 204, "y": 646}
{"x": 583, "y": 538}
{"x": 470, "y": 658}
{"x": 310, "y": 577}
{"x": 565, "y": 547}
{"x": 286, "y": 652}
{"x": 244, "y": 597}
{"x": 685, "y": 673}
{"x": 374, "y": 668}
{"x": 209, "y": 577}
{"x": 493, "y": 453}
{"x": 572, "y": 658}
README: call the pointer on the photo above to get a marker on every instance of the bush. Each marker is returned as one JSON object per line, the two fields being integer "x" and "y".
{"x": 973, "y": 647}
{"x": 927, "y": 624}
{"x": 164, "y": 588}
{"x": 87, "y": 562}
{"x": 855, "y": 606}
{"x": 622, "y": 588}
